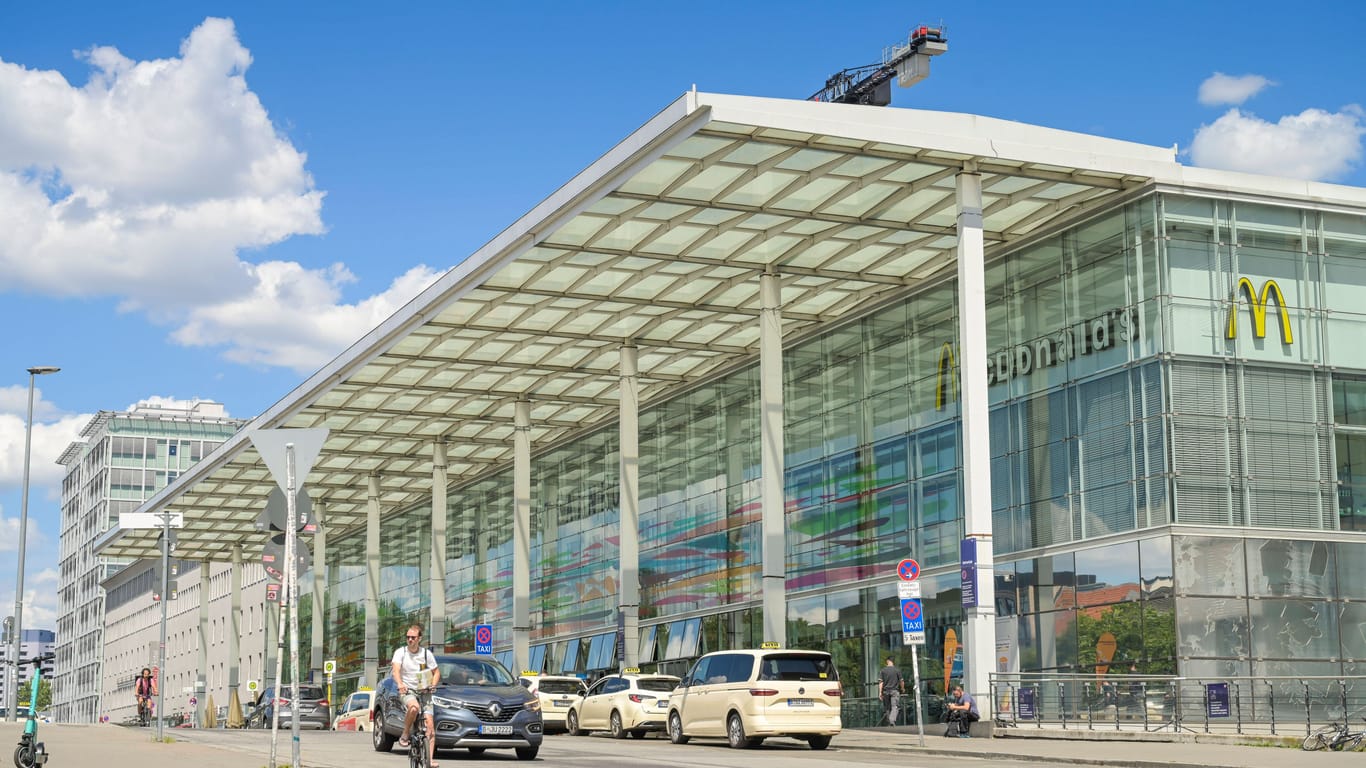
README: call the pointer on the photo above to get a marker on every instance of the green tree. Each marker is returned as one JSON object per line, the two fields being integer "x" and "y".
{"x": 44, "y": 694}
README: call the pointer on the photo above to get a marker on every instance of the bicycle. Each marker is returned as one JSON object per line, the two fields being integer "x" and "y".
{"x": 418, "y": 755}
{"x": 1336, "y": 737}
{"x": 144, "y": 711}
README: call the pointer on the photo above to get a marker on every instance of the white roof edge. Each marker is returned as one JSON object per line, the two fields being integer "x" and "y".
{"x": 953, "y": 132}
{"x": 1239, "y": 183}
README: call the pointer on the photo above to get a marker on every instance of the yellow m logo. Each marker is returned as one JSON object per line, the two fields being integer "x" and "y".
{"x": 945, "y": 384}
{"x": 1257, "y": 303}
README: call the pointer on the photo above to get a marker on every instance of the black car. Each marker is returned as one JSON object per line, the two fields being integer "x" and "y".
{"x": 477, "y": 706}
{"x": 312, "y": 707}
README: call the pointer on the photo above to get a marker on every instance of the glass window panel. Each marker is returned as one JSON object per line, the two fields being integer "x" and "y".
{"x": 1159, "y": 637}
{"x": 1280, "y": 567}
{"x": 1351, "y": 559}
{"x": 1107, "y": 574}
{"x": 1352, "y": 620}
{"x": 1351, "y": 490}
{"x": 1349, "y": 400}
{"x": 1121, "y": 623}
{"x": 1155, "y": 563}
{"x": 1294, "y": 629}
{"x": 570, "y": 660}
{"x": 1212, "y": 627}
{"x": 1210, "y": 566}
{"x": 536, "y": 660}
{"x": 806, "y": 622}
{"x": 647, "y": 645}
{"x": 1055, "y": 581}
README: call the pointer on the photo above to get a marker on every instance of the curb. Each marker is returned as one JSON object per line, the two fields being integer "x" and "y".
{"x": 1027, "y": 758}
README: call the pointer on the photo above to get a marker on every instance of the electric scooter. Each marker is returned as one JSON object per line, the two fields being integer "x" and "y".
{"x": 31, "y": 753}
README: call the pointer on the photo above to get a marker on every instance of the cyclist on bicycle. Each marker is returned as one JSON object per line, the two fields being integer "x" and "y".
{"x": 144, "y": 688}
{"x": 414, "y": 667}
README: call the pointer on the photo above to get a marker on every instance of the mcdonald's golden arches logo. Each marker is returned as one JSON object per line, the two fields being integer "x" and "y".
{"x": 1257, "y": 303}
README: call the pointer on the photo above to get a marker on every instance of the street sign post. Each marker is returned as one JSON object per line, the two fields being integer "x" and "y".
{"x": 912, "y": 627}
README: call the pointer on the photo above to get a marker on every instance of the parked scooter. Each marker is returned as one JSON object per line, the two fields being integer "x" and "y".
{"x": 31, "y": 753}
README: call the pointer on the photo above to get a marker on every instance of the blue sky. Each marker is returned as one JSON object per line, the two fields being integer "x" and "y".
{"x": 210, "y": 200}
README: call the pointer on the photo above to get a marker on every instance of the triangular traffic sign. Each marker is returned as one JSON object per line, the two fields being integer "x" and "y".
{"x": 271, "y": 443}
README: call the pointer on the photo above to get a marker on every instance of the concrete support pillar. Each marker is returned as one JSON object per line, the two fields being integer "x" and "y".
{"x": 437, "y": 584}
{"x": 369, "y": 675}
{"x": 629, "y": 519}
{"x": 980, "y": 619}
{"x": 201, "y": 683}
{"x": 235, "y": 620}
{"x": 319, "y": 628}
{"x": 771, "y": 495}
{"x": 521, "y": 535}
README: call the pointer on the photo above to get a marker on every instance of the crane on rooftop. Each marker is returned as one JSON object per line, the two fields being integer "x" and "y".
{"x": 871, "y": 84}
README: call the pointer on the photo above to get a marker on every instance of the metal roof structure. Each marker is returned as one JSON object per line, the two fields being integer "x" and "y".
{"x": 660, "y": 243}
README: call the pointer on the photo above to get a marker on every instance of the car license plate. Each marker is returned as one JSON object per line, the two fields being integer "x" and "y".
{"x": 495, "y": 730}
{"x": 800, "y": 703}
{"x": 564, "y": 703}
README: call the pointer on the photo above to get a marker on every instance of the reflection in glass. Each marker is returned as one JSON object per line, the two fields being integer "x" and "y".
{"x": 1159, "y": 637}
{"x": 1107, "y": 574}
{"x": 1155, "y": 565}
{"x": 1210, "y": 566}
{"x": 1293, "y": 629}
{"x": 1278, "y": 567}
{"x": 1351, "y": 559}
{"x": 1352, "y": 621}
{"x": 1212, "y": 627}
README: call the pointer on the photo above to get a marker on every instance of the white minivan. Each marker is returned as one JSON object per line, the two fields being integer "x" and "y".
{"x": 748, "y": 696}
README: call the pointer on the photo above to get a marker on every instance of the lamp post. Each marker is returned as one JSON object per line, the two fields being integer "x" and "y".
{"x": 16, "y": 637}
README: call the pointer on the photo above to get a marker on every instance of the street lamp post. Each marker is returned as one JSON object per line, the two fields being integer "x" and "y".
{"x": 16, "y": 637}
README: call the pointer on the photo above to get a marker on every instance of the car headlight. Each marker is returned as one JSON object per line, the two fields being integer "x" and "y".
{"x": 534, "y": 705}
{"x": 445, "y": 703}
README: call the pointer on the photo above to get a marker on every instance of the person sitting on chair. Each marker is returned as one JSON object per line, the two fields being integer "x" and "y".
{"x": 963, "y": 711}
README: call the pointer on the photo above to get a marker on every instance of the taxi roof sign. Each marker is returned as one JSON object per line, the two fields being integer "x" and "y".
{"x": 529, "y": 673}
{"x": 631, "y": 671}
{"x": 770, "y": 645}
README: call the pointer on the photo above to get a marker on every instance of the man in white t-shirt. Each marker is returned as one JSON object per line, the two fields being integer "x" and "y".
{"x": 415, "y": 667}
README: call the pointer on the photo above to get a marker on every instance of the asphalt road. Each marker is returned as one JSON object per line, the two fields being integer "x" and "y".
{"x": 329, "y": 749}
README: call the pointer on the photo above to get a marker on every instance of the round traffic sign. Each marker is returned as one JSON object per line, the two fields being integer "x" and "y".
{"x": 910, "y": 610}
{"x": 484, "y": 635}
{"x": 908, "y": 570}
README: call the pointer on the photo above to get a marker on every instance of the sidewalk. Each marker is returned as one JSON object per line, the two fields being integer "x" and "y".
{"x": 1058, "y": 747}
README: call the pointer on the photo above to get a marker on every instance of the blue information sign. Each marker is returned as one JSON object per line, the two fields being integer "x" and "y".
{"x": 912, "y": 616}
{"x": 483, "y": 639}
{"x": 967, "y": 569}
{"x": 1216, "y": 699}
{"x": 1024, "y": 707}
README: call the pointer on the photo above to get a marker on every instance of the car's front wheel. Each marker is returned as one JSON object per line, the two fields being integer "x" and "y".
{"x": 571, "y": 724}
{"x": 676, "y": 729}
{"x": 527, "y": 753}
{"x": 383, "y": 742}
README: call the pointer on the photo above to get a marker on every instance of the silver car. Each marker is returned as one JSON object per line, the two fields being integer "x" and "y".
{"x": 312, "y": 707}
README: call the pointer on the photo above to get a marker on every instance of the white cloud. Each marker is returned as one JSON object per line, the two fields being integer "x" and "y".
{"x": 1315, "y": 144}
{"x": 147, "y": 183}
{"x": 50, "y": 439}
{"x": 1220, "y": 89}
{"x": 14, "y": 401}
{"x": 40, "y": 600}
{"x": 292, "y": 318}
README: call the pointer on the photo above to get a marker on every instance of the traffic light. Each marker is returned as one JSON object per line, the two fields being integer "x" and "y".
{"x": 274, "y": 519}
{"x": 171, "y": 585}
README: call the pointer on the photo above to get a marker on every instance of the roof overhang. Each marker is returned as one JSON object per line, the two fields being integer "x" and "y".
{"x": 660, "y": 244}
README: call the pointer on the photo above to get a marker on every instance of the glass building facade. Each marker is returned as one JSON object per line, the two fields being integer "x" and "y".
{"x": 1178, "y": 458}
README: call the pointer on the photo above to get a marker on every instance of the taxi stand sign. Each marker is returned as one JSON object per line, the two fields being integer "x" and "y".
{"x": 912, "y": 613}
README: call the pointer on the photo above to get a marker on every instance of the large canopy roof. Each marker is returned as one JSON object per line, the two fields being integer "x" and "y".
{"x": 659, "y": 243}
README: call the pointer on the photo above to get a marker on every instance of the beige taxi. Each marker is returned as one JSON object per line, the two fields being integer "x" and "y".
{"x": 558, "y": 693}
{"x": 630, "y": 703}
{"x": 748, "y": 696}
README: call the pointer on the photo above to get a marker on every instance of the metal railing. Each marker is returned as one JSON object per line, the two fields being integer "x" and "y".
{"x": 1243, "y": 705}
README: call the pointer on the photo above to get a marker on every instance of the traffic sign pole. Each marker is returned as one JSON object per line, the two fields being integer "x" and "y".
{"x": 915, "y": 676}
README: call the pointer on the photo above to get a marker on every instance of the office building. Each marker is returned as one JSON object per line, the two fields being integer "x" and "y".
{"x": 123, "y": 459}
